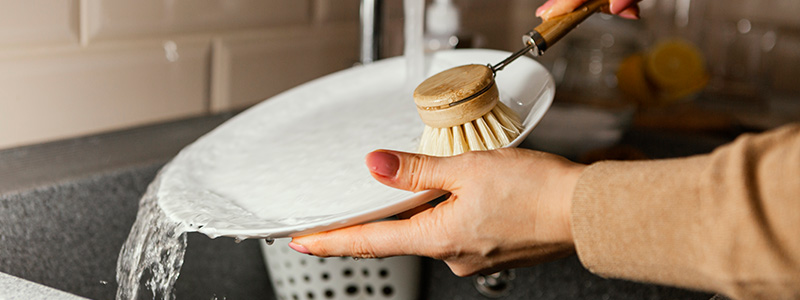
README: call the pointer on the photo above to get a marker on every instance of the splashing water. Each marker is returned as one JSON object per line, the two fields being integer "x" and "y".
{"x": 152, "y": 254}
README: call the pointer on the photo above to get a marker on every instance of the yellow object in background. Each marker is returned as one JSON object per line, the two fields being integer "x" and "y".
{"x": 632, "y": 82}
{"x": 670, "y": 71}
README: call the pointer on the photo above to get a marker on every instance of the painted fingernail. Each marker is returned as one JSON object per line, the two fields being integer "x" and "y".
{"x": 544, "y": 8}
{"x": 629, "y": 14}
{"x": 540, "y": 11}
{"x": 299, "y": 248}
{"x": 383, "y": 163}
{"x": 618, "y": 6}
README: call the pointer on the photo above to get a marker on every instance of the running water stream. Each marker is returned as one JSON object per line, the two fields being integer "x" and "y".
{"x": 152, "y": 253}
{"x": 150, "y": 260}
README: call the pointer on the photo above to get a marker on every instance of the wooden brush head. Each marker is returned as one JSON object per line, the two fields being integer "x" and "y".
{"x": 456, "y": 96}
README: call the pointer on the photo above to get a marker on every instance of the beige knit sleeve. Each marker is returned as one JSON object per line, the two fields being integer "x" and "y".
{"x": 727, "y": 222}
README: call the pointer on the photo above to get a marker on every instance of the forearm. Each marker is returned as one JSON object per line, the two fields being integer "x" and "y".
{"x": 728, "y": 221}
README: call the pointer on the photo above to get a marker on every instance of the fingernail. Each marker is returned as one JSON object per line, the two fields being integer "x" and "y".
{"x": 383, "y": 163}
{"x": 628, "y": 14}
{"x": 299, "y": 248}
{"x": 546, "y": 14}
{"x": 544, "y": 8}
{"x": 616, "y": 7}
{"x": 540, "y": 10}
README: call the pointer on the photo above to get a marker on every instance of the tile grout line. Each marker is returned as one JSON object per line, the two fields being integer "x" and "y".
{"x": 219, "y": 99}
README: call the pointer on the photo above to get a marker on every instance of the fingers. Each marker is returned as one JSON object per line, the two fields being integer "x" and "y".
{"x": 557, "y": 7}
{"x": 624, "y": 8}
{"x": 412, "y": 172}
{"x": 401, "y": 170}
{"x": 371, "y": 240}
{"x": 617, "y": 6}
{"x": 544, "y": 8}
{"x": 630, "y": 12}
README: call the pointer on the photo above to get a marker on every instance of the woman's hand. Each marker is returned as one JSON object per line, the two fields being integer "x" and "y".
{"x": 507, "y": 208}
{"x": 628, "y": 9}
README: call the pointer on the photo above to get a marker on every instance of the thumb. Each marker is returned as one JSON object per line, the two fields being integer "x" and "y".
{"x": 412, "y": 172}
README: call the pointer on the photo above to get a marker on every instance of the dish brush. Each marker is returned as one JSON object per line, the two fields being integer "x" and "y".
{"x": 461, "y": 106}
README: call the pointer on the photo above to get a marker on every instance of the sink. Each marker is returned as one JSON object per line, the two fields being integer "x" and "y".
{"x": 65, "y": 232}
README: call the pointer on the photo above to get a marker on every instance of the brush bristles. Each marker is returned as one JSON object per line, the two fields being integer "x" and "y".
{"x": 495, "y": 129}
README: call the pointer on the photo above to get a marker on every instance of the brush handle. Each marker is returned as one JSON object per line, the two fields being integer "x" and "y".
{"x": 552, "y": 30}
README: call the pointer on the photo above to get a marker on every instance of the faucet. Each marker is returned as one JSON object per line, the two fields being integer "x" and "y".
{"x": 371, "y": 11}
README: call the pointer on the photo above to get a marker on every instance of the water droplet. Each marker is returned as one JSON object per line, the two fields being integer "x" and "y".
{"x": 103, "y": 282}
{"x": 269, "y": 241}
{"x": 171, "y": 51}
{"x": 356, "y": 258}
{"x": 238, "y": 240}
{"x": 515, "y": 101}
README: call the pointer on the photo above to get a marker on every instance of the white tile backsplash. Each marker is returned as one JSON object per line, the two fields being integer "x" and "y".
{"x": 75, "y": 67}
{"x": 253, "y": 66}
{"x": 75, "y": 91}
{"x": 109, "y": 19}
{"x": 38, "y": 21}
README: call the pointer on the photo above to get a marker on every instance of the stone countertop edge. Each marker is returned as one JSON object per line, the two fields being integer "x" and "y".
{"x": 13, "y": 288}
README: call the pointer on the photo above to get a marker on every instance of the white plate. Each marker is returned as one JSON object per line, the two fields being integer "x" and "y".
{"x": 294, "y": 164}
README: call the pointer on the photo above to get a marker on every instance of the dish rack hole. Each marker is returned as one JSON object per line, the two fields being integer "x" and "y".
{"x": 387, "y": 290}
{"x": 351, "y": 290}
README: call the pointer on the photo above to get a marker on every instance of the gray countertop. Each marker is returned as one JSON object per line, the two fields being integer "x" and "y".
{"x": 13, "y": 288}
